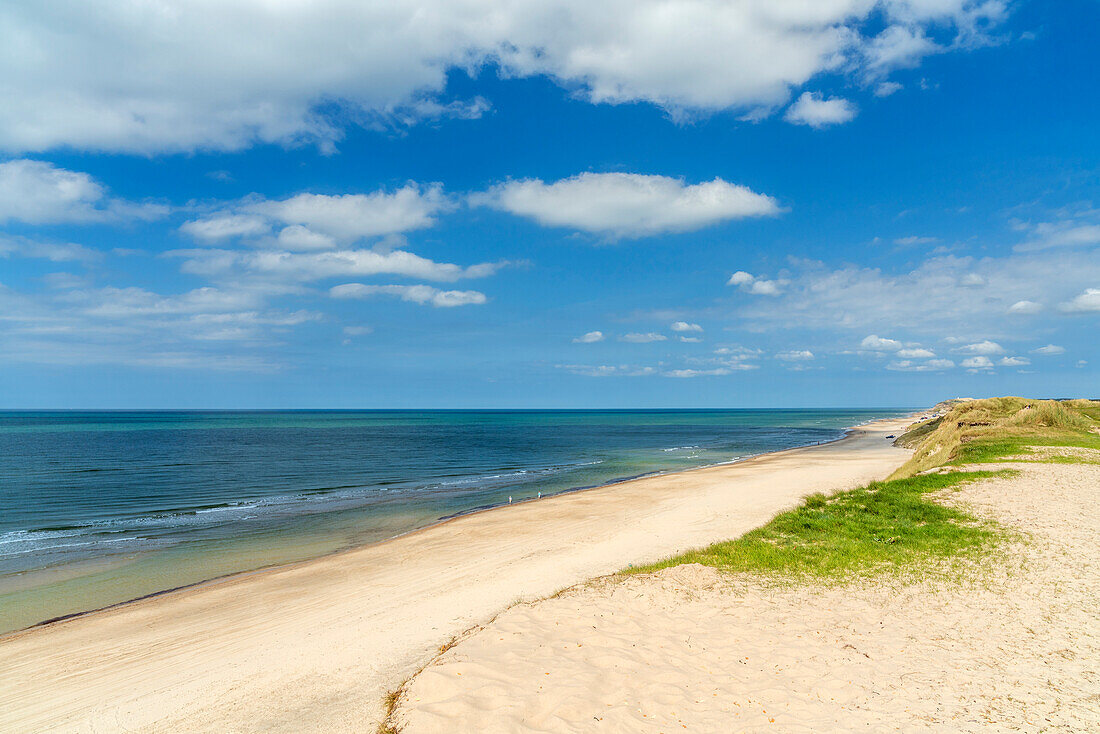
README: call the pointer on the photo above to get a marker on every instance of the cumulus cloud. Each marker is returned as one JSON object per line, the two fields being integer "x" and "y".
{"x": 1087, "y": 302}
{"x": 422, "y": 294}
{"x": 53, "y": 251}
{"x": 1049, "y": 349}
{"x": 37, "y": 192}
{"x": 1025, "y": 307}
{"x": 627, "y": 204}
{"x": 853, "y": 298}
{"x": 296, "y": 266}
{"x": 228, "y": 74}
{"x": 1014, "y": 361}
{"x": 608, "y": 370}
{"x": 976, "y": 363}
{"x": 224, "y": 226}
{"x": 798, "y": 355}
{"x": 982, "y": 347}
{"x": 354, "y": 216}
{"x": 816, "y": 111}
{"x": 932, "y": 365}
{"x": 638, "y": 338}
{"x": 297, "y": 237}
{"x": 590, "y": 338}
{"x": 1070, "y": 233}
{"x": 685, "y": 326}
{"x": 318, "y": 221}
{"x": 687, "y": 373}
{"x": 915, "y": 240}
{"x": 875, "y": 343}
{"x": 916, "y": 353}
{"x": 756, "y": 286}
{"x": 204, "y": 328}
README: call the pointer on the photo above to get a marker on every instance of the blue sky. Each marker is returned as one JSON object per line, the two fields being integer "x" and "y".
{"x": 678, "y": 204}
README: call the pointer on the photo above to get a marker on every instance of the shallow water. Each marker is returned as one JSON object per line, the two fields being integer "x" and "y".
{"x": 98, "y": 508}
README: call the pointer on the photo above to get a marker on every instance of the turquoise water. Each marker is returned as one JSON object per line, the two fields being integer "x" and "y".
{"x": 98, "y": 508}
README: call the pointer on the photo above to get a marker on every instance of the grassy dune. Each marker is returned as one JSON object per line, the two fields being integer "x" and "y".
{"x": 979, "y": 431}
{"x": 897, "y": 525}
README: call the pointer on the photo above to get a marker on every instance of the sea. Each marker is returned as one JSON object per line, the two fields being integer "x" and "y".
{"x": 97, "y": 508}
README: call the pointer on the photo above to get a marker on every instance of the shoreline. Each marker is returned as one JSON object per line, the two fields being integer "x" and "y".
{"x": 470, "y": 566}
{"x": 847, "y": 434}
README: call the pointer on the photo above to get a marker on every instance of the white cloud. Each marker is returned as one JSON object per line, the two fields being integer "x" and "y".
{"x": 1087, "y": 302}
{"x": 225, "y": 75}
{"x": 816, "y": 111}
{"x": 590, "y": 338}
{"x": 932, "y": 365}
{"x": 798, "y": 355}
{"x": 422, "y": 294}
{"x": 690, "y": 339}
{"x": 317, "y": 221}
{"x": 1049, "y": 349}
{"x": 53, "y": 251}
{"x": 916, "y": 353}
{"x": 977, "y": 363}
{"x": 867, "y": 299}
{"x": 687, "y": 373}
{"x": 915, "y": 240}
{"x": 982, "y": 347}
{"x": 293, "y": 266}
{"x": 756, "y": 286}
{"x": 1014, "y": 361}
{"x": 897, "y": 47}
{"x": 875, "y": 343}
{"x": 1025, "y": 307}
{"x": 885, "y": 89}
{"x": 1046, "y": 235}
{"x": 297, "y": 237}
{"x": 224, "y": 226}
{"x": 37, "y": 192}
{"x": 353, "y": 216}
{"x": 685, "y": 326}
{"x": 608, "y": 370}
{"x": 637, "y": 338}
{"x": 627, "y": 204}
{"x": 205, "y": 328}
{"x": 972, "y": 280}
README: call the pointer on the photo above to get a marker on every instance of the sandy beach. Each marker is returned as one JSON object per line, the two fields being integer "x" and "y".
{"x": 315, "y": 646}
{"x": 1013, "y": 647}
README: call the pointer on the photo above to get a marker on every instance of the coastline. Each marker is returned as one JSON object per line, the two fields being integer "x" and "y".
{"x": 265, "y": 567}
{"x": 367, "y": 607}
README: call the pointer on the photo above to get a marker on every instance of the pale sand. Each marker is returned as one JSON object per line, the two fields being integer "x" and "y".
{"x": 690, "y": 649}
{"x": 315, "y": 646}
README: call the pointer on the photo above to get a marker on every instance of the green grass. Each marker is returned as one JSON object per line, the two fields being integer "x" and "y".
{"x": 983, "y": 451}
{"x": 994, "y": 428}
{"x": 885, "y": 526}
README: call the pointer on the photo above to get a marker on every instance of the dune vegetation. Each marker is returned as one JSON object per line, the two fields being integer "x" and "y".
{"x": 977, "y": 431}
{"x": 897, "y": 525}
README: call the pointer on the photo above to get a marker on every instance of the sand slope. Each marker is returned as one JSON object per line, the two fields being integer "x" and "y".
{"x": 315, "y": 646}
{"x": 689, "y": 649}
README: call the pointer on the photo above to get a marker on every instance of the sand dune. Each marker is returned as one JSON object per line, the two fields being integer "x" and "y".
{"x": 688, "y": 649}
{"x": 315, "y": 646}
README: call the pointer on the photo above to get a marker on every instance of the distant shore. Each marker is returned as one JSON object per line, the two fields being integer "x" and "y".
{"x": 314, "y": 646}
